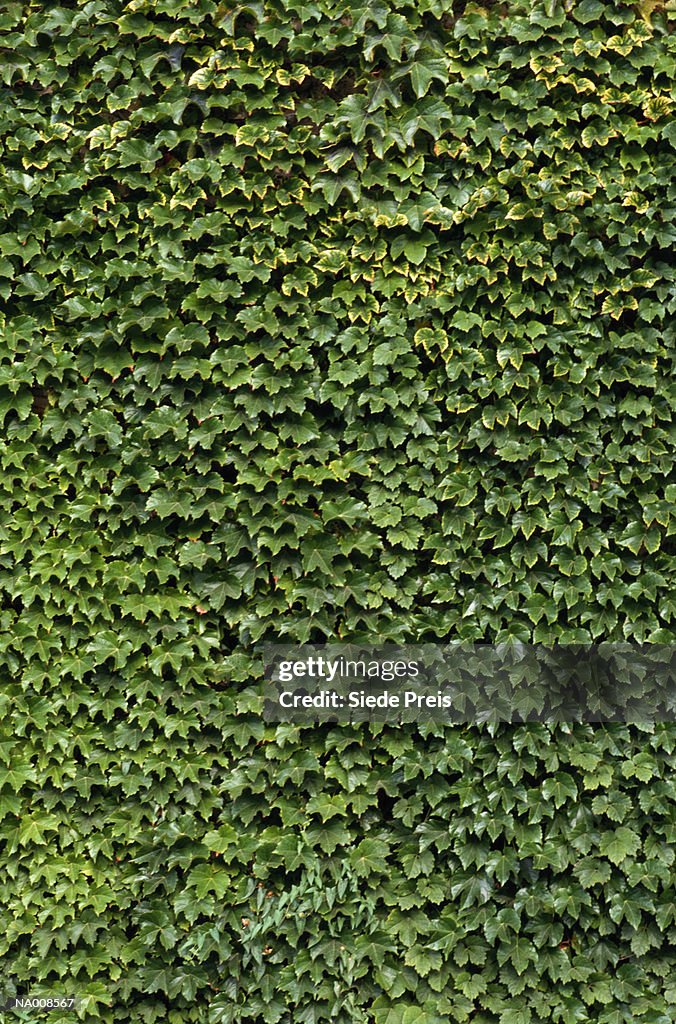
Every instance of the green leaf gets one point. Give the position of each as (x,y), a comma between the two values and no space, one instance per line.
(318,553)
(368,857)
(423,74)
(620,844)
(137,151)
(220,839)
(415,251)
(519,952)
(516,1015)
(466,321)
(591,872)
(559,788)
(209,878)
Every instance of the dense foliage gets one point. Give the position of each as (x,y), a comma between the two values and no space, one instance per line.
(325,320)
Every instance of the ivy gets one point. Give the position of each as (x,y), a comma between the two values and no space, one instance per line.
(330,320)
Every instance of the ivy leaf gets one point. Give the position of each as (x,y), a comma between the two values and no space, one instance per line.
(369,857)
(220,839)
(559,788)
(516,1015)
(519,952)
(592,872)
(422,75)
(137,151)
(415,251)
(318,553)
(620,844)
(207,879)
(17,774)
(466,321)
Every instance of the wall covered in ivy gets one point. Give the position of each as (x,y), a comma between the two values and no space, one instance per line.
(326,320)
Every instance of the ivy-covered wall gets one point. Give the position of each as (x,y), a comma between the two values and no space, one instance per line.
(331,321)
